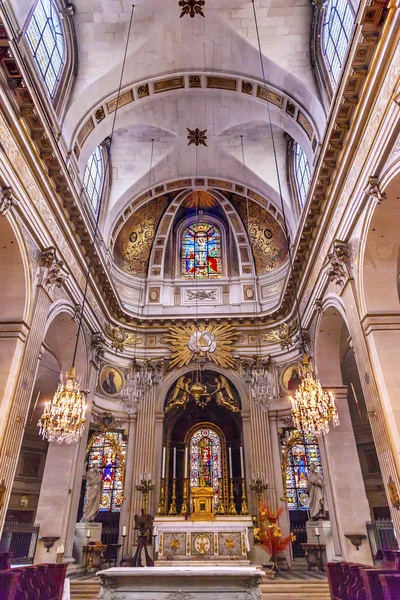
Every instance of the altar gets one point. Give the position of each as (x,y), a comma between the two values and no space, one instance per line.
(183,541)
(194,582)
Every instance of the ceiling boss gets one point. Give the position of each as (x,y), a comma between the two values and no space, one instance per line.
(214,342)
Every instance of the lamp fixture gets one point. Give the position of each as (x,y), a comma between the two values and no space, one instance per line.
(137,386)
(312,408)
(262,391)
(64,416)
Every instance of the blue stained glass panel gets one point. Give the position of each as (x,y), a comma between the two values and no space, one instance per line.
(201,252)
(45,37)
(300,457)
(205,457)
(103,454)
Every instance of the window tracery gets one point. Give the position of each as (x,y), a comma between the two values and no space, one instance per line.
(108,451)
(205,449)
(300,456)
(201,251)
(45,37)
(336,31)
(93,178)
(302,173)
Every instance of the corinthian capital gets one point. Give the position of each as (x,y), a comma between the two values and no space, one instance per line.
(7,200)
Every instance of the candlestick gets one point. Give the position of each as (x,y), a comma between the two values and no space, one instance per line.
(185,473)
(244,510)
(161,503)
(145,486)
(88,533)
(232,507)
(184,507)
(230,462)
(174,464)
(221,507)
(316,531)
(163,463)
(124,530)
(241,463)
(172,508)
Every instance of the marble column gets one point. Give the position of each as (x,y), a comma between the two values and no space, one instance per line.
(18,405)
(369,374)
(349,499)
(128,484)
(277,467)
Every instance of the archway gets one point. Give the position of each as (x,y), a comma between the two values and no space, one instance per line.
(203,441)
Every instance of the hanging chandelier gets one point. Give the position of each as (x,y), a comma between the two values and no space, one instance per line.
(63,418)
(313,409)
(262,391)
(137,387)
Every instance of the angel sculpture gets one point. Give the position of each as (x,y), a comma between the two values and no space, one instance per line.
(224,396)
(283,335)
(180,395)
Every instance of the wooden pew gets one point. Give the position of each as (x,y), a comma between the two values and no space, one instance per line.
(8,584)
(390,585)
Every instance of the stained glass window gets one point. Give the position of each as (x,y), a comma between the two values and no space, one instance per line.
(336,35)
(93,178)
(205,460)
(302,173)
(201,251)
(46,40)
(300,457)
(108,451)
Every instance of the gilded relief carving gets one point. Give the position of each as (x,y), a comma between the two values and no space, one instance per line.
(266,235)
(133,245)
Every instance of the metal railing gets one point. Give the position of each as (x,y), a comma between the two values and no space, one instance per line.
(21,540)
(381,536)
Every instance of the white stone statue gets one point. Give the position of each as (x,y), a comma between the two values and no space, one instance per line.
(316,490)
(94,489)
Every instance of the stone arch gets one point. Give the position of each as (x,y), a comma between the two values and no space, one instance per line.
(331,328)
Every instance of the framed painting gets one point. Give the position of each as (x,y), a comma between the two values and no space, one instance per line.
(111,381)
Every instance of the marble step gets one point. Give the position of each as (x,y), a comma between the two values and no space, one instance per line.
(295,590)
(84,590)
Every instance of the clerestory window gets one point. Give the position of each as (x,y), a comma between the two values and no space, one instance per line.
(337,28)
(201,251)
(93,178)
(45,37)
(302,173)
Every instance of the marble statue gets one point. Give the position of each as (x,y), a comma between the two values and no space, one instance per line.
(94,489)
(316,490)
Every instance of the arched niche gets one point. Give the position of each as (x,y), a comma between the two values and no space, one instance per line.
(331,342)
(380,257)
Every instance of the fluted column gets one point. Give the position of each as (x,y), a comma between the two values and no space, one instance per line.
(277,467)
(384,442)
(128,485)
(262,454)
(19,406)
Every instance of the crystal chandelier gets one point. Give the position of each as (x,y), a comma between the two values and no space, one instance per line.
(313,408)
(63,418)
(262,391)
(137,386)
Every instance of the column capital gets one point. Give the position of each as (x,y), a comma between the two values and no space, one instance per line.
(7,200)
(374,190)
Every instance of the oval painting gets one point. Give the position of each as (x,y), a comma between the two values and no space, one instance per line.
(111,381)
(291,377)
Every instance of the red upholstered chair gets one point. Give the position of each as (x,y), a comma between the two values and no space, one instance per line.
(8,584)
(390,585)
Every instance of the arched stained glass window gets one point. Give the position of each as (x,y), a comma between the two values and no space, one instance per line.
(93,178)
(302,173)
(300,457)
(46,39)
(201,251)
(205,460)
(337,29)
(108,451)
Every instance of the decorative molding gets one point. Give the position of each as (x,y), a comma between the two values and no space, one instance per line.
(97,346)
(282,335)
(197,136)
(120,338)
(52,271)
(374,191)
(192,8)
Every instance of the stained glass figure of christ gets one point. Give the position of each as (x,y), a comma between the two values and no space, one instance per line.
(103,453)
(205,460)
(300,457)
(201,252)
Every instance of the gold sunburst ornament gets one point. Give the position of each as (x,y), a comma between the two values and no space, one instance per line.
(214,342)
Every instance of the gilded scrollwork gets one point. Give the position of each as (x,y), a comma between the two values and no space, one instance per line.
(133,245)
(267,237)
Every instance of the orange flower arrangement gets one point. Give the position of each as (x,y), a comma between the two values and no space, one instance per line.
(270,534)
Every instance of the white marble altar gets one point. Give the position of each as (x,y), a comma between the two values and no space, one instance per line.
(181,583)
(223,539)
